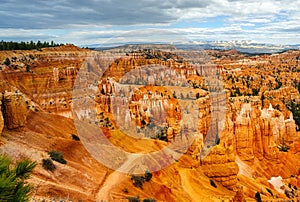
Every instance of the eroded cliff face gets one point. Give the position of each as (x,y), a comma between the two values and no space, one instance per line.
(257,132)
(50,77)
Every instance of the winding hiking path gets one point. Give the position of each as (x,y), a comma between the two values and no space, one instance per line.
(115,178)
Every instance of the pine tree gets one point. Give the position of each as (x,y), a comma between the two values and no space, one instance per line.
(7,62)
(262,100)
(13,185)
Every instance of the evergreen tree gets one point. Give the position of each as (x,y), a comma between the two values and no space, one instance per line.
(26,45)
(13,185)
(262,100)
(148,176)
(7,62)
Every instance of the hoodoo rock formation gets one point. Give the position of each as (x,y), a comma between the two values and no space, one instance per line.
(257,132)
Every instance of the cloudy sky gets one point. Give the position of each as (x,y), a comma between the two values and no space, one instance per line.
(112,21)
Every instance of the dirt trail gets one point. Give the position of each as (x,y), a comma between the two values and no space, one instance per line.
(115,178)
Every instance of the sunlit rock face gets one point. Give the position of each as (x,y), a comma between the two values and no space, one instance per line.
(257,132)
(50,79)
(15,109)
(220,165)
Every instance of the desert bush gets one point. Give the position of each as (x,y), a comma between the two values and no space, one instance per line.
(138,180)
(31,56)
(27,68)
(283,148)
(148,176)
(133,199)
(288,193)
(162,134)
(48,165)
(7,62)
(149,200)
(57,156)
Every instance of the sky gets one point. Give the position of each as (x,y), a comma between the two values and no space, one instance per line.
(124,21)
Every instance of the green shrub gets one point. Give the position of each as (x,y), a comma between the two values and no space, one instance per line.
(148,176)
(7,62)
(288,193)
(31,56)
(133,199)
(283,148)
(162,134)
(27,68)
(138,181)
(149,200)
(13,185)
(57,156)
(48,165)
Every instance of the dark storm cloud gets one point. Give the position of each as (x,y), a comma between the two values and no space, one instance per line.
(59,14)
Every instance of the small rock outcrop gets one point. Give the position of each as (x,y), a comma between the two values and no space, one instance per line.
(239,196)
(220,165)
(14,110)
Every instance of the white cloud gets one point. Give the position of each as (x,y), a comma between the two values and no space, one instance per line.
(96,21)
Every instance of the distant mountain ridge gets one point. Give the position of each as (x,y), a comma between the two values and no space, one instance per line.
(241,46)
(250,47)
